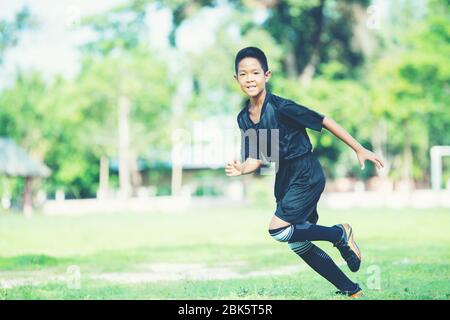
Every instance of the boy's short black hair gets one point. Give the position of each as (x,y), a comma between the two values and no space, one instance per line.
(254,53)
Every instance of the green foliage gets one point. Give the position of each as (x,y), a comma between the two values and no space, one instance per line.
(410,89)
(394,101)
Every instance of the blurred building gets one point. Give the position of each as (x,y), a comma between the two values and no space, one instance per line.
(15,162)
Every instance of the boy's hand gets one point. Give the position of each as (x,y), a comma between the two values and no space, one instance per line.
(233,169)
(364,154)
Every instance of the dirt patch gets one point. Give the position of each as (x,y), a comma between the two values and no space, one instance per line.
(150,272)
(176,272)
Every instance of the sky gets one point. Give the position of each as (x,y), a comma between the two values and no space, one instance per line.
(52,48)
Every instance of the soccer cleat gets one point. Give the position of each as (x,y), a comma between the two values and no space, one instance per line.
(354,294)
(348,248)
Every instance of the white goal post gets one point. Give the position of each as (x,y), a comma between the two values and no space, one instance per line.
(437,152)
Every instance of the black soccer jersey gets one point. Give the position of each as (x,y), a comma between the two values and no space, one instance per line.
(289,118)
(300,179)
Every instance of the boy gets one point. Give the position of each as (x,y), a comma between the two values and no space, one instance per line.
(299,180)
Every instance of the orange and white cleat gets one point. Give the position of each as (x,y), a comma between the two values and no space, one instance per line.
(354,294)
(348,248)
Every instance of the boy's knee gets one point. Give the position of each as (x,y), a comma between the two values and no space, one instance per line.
(282,234)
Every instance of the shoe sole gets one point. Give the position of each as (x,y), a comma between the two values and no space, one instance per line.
(351,240)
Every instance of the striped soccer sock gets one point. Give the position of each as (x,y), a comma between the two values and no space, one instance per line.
(321,262)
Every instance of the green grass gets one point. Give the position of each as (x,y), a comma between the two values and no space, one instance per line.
(408,248)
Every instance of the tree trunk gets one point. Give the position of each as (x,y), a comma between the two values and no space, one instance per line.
(310,68)
(136,178)
(28,197)
(290,60)
(124,147)
(407,175)
(291,65)
(379,142)
(177,169)
(177,179)
(103,189)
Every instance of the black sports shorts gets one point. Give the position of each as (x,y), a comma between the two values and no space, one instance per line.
(299,184)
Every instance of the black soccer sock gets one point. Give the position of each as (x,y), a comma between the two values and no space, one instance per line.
(313,232)
(321,262)
(306,231)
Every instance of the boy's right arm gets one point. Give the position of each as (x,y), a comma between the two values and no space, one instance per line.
(248,166)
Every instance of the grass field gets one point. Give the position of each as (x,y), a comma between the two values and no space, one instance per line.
(220,254)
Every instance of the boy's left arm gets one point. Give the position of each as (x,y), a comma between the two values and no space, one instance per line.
(362,153)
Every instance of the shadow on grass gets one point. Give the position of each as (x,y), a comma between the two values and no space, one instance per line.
(30,261)
(128,259)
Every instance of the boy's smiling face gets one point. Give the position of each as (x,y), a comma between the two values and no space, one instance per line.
(251,76)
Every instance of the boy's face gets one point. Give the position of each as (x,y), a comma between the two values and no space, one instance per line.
(251,76)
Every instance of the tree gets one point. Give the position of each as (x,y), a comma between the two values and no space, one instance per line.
(121,51)
(310,32)
(410,90)
(10,31)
